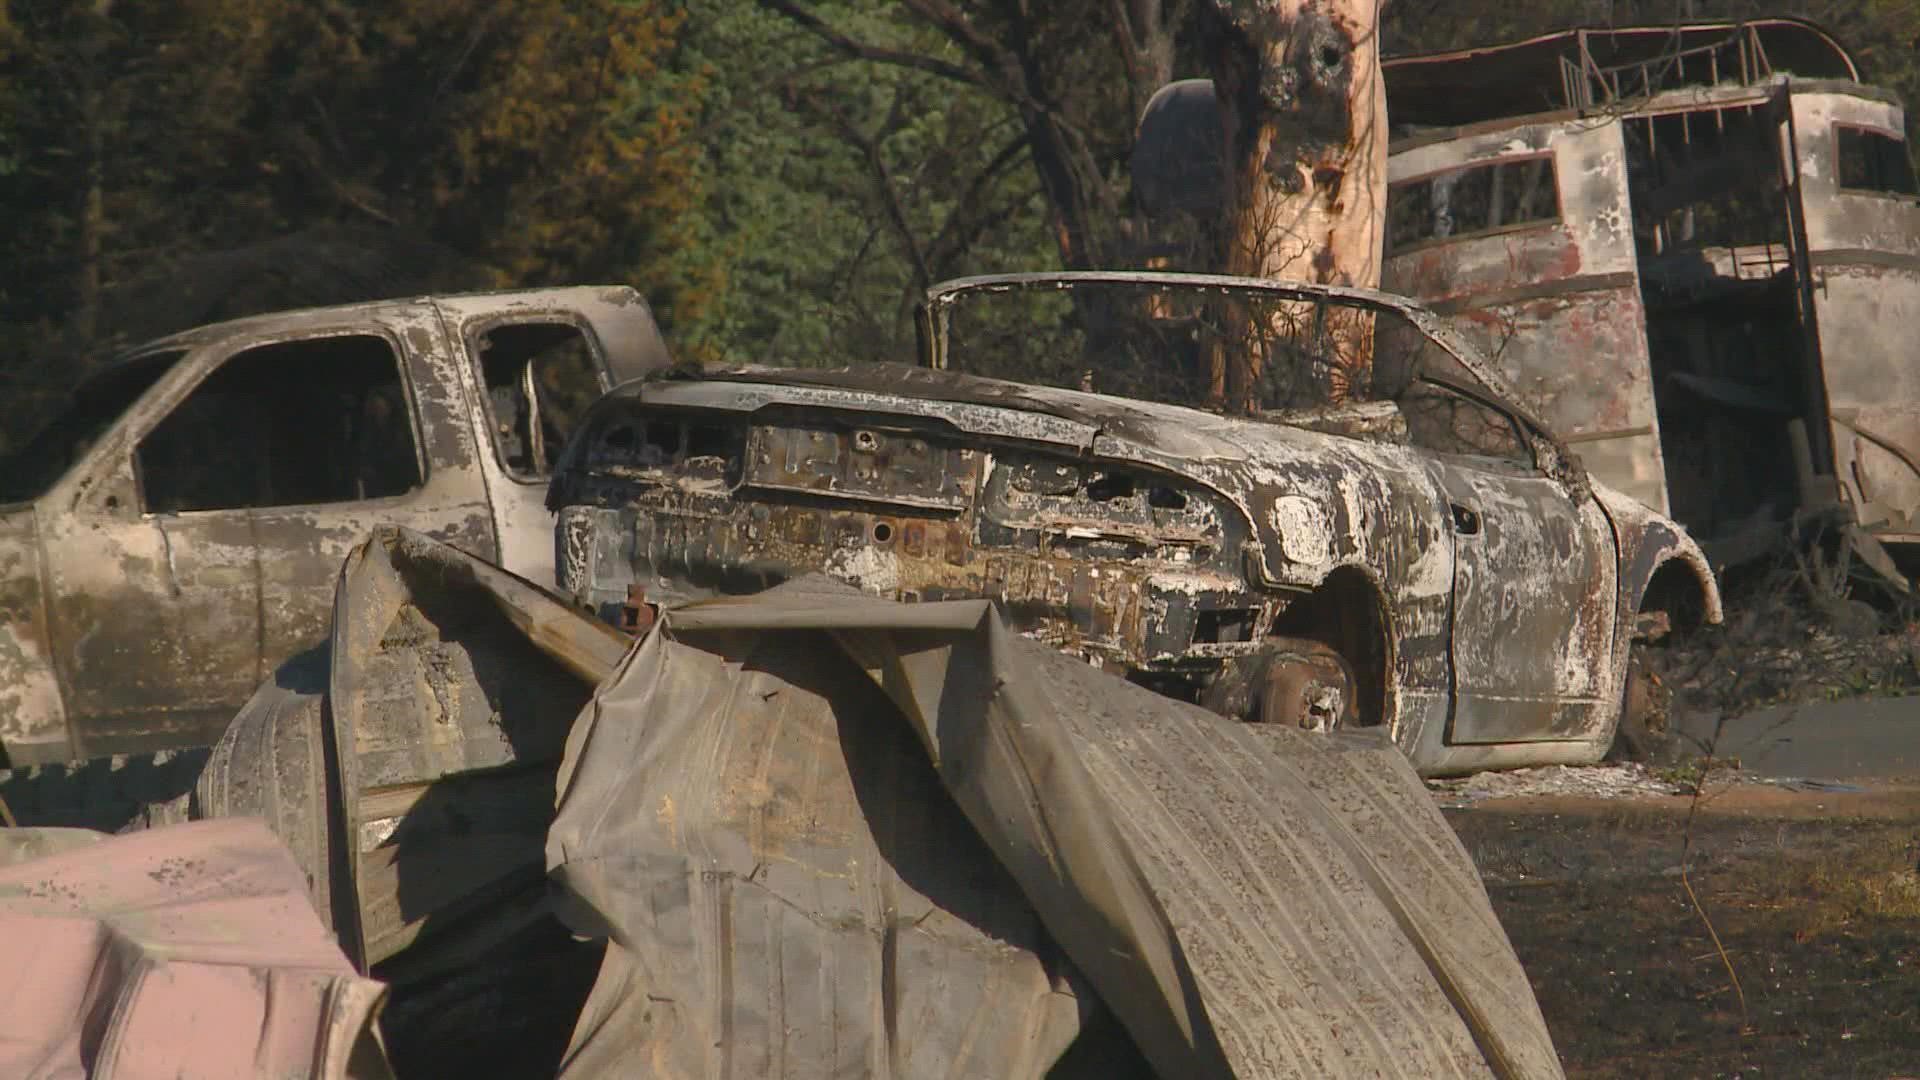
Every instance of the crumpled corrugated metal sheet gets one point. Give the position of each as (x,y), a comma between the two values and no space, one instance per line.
(408,761)
(833,835)
(408,764)
(186,951)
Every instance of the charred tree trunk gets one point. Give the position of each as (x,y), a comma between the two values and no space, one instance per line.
(1304,112)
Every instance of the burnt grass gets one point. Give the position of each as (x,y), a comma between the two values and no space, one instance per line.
(1815,901)
(1814,896)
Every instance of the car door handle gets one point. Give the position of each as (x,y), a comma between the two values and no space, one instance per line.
(1466,521)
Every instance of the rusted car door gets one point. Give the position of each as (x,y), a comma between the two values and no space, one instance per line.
(205,542)
(154,619)
(533,365)
(1535,577)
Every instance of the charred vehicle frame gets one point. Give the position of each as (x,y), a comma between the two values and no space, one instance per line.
(1319,567)
(1687,245)
(177,532)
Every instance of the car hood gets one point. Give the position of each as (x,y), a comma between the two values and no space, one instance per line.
(1303,491)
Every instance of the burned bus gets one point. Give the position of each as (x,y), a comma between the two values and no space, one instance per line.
(1695,250)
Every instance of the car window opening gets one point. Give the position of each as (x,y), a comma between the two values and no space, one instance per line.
(546,369)
(292,423)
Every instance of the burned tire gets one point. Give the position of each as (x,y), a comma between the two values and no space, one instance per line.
(1644,704)
(1293,682)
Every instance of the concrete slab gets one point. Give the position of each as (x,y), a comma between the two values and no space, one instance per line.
(1861,738)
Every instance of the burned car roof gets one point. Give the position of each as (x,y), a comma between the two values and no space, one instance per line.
(300,318)
(942,296)
(1486,82)
(1080,406)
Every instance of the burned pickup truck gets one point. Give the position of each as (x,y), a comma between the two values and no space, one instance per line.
(1396,544)
(176,532)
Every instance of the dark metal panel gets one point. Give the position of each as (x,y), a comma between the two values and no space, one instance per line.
(1246,900)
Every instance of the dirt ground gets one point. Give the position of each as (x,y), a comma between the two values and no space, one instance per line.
(1813,893)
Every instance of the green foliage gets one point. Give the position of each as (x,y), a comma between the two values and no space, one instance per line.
(837,189)
(173,161)
(781,178)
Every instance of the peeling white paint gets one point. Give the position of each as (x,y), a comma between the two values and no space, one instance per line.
(1193,583)
(872,569)
(1306,537)
(1431,575)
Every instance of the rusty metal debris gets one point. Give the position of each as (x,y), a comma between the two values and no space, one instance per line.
(409,765)
(1685,245)
(636,615)
(852,795)
(919,844)
(1426,528)
(1689,245)
(1294,683)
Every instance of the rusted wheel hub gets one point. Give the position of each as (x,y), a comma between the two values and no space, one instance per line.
(1293,682)
(1309,686)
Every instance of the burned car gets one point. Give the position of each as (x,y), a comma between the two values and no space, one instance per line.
(1376,536)
(176,531)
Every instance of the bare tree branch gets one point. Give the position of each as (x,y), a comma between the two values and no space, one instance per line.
(984,49)
(860,50)
(953,229)
(1006,65)
(875,159)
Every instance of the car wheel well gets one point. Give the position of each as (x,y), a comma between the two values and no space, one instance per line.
(1347,613)
(1675,589)
(1674,602)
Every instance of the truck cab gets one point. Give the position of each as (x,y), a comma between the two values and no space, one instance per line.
(175,534)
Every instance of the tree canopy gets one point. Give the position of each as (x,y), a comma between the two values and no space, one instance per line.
(175,161)
(780,177)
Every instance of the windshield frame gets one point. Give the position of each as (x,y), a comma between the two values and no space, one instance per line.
(934,321)
(941,297)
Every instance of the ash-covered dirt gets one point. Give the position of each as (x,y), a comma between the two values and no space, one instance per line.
(1636,913)
(1595,781)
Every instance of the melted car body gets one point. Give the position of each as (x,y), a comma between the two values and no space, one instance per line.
(1405,516)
